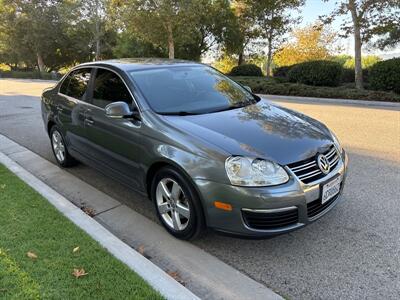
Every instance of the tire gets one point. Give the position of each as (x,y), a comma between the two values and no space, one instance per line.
(58,144)
(184,203)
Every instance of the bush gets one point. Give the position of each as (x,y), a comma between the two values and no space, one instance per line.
(29,75)
(246,70)
(317,73)
(262,85)
(348,75)
(282,72)
(385,75)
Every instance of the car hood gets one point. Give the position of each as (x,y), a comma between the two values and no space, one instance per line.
(260,130)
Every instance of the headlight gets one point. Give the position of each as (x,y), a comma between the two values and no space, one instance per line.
(246,171)
(336,141)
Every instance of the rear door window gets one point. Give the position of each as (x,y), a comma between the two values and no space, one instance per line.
(108,87)
(75,85)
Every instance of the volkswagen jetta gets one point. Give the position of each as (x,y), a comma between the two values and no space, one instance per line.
(206,150)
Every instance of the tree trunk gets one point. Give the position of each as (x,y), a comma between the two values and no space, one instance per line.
(357,46)
(241,59)
(270,40)
(41,65)
(269,55)
(98,45)
(171,46)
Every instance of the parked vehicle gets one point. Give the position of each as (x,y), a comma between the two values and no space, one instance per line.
(207,151)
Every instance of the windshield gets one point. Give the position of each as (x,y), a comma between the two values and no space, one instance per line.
(190,90)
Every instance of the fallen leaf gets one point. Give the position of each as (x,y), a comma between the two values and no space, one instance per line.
(79,273)
(76,249)
(2,186)
(175,275)
(89,211)
(141,249)
(31,255)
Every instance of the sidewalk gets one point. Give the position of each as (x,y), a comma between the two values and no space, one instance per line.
(201,273)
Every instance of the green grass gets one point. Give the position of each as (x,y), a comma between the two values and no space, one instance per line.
(273,86)
(28,223)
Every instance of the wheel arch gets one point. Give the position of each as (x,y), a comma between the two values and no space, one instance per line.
(158,165)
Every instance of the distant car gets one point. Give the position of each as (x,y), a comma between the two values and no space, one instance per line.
(206,150)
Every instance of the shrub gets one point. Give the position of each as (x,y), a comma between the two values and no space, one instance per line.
(262,85)
(29,75)
(348,75)
(317,73)
(385,75)
(246,70)
(282,72)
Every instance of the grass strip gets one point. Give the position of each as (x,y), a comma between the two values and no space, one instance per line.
(37,255)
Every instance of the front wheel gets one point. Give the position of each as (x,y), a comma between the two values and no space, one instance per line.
(177,205)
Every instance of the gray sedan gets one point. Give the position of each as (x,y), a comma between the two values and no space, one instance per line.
(207,151)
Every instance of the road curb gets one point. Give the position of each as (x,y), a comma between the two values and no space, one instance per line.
(156,277)
(331,101)
(122,230)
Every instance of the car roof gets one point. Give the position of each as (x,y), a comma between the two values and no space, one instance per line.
(131,64)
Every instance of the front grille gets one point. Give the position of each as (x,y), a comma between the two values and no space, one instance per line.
(315,207)
(270,220)
(308,171)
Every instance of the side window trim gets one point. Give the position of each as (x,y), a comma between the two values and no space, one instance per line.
(87,88)
(134,102)
(91,84)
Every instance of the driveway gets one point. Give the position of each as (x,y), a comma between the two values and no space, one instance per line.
(351,253)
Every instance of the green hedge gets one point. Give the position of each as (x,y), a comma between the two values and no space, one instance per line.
(246,70)
(317,73)
(282,72)
(385,75)
(348,75)
(270,86)
(28,75)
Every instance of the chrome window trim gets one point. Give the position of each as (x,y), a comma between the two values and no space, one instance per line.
(93,67)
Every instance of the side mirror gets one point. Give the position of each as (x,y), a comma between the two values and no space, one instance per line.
(248,88)
(120,110)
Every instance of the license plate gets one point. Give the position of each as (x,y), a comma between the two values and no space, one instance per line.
(331,189)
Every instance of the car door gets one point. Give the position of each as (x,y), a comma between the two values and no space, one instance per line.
(114,143)
(71,106)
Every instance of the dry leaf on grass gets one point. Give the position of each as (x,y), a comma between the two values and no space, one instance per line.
(79,273)
(31,255)
(76,249)
(175,275)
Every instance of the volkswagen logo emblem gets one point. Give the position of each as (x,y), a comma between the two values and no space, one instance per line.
(323,164)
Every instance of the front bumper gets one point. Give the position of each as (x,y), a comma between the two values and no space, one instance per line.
(282,203)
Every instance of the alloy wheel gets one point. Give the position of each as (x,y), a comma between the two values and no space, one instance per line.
(172,204)
(58,146)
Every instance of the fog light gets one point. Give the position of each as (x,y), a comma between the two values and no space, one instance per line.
(223,206)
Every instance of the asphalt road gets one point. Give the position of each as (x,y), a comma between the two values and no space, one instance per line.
(351,253)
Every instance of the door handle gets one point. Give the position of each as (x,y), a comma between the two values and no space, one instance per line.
(89,121)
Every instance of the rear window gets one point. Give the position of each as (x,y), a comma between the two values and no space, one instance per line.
(75,85)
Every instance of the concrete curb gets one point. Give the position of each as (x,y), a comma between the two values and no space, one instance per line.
(156,277)
(331,101)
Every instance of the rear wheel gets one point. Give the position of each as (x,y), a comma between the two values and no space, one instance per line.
(177,204)
(63,158)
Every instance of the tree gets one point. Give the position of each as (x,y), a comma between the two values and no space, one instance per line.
(274,20)
(243,29)
(314,42)
(186,28)
(367,19)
